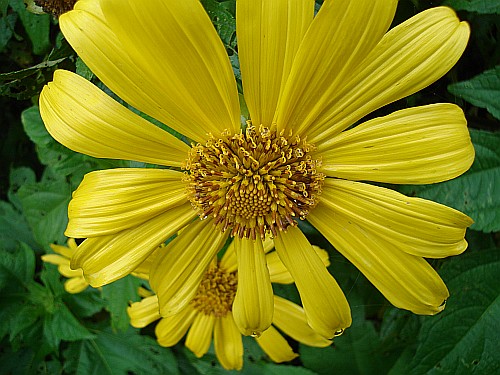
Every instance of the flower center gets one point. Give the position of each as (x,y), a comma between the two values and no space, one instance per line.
(253,182)
(216,293)
(56,7)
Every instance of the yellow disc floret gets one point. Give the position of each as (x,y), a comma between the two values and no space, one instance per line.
(216,293)
(253,182)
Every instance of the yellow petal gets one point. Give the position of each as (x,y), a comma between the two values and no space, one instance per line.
(291,319)
(414,225)
(277,270)
(170,61)
(269,35)
(55,259)
(66,252)
(107,258)
(66,271)
(275,346)
(180,266)
(72,245)
(419,145)
(144,312)
(228,260)
(75,285)
(199,336)
(407,281)
(228,344)
(324,303)
(279,273)
(86,120)
(339,38)
(171,329)
(112,200)
(142,270)
(393,70)
(253,303)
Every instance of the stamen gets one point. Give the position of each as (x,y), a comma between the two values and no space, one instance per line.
(56,7)
(255,182)
(216,293)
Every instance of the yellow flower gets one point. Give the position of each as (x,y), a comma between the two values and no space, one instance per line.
(208,315)
(307,79)
(76,283)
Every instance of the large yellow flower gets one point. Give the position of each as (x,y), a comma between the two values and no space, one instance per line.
(307,79)
(208,315)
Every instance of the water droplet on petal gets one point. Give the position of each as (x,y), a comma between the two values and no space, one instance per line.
(338,333)
(255,334)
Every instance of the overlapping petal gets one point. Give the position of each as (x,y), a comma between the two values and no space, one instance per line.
(416,226)
(418,145)
(144,312)
(269,35)
(85,119)
(325,305)
(393,70)
(180,266)
(105,259)
(339,38)
(228,344)
(406,280)
(164,58)
(199,336)
(291,319)
(275,346)
(109,201)
(171,329)
(75,285)
(253,303)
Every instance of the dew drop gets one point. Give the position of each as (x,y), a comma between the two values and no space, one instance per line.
(338,333)
(255,334)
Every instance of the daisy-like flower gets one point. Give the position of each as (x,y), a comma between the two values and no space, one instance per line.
(208,315)
(307,79)
(76,282)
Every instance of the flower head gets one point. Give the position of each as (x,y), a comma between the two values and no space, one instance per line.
(209,315)
(76,282)
(299,156)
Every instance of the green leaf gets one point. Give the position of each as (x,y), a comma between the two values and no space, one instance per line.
(13,228)
(120,353)
(34,127)
(478,6)
(62,325)
(464,338)
(6,26)
(272,369)
(83,69)
(37,27)
(86,303)
(18,266)
(45,206)
(357,351)
(483,90)
(476,192)
(42,202)
(118,296)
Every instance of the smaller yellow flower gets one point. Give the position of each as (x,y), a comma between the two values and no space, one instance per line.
(76,283)
(209,315)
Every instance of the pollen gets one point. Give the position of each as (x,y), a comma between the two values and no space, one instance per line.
(216,293)
(255,182)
